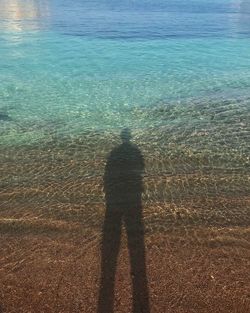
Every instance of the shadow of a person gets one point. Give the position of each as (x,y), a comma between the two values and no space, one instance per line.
(123,187)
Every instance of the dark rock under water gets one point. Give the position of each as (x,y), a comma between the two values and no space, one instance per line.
(4,117)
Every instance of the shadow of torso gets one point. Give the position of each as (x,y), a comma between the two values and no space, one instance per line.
(123,178)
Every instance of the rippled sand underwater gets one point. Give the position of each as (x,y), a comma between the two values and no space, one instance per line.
(195,152)
(195,211)
(75,77)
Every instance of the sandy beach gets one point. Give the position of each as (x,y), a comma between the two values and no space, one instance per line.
(52,213)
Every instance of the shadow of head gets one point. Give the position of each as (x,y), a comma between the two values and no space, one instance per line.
(126,135)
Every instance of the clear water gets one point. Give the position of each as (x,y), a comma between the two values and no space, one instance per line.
(74,75)
(98,64)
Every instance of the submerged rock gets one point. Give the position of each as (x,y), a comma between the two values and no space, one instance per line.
(4,117)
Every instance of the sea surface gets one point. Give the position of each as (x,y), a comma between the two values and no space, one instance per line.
(124,110)
(68,66)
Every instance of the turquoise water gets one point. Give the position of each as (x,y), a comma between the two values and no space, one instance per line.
(133,110)
(68,66)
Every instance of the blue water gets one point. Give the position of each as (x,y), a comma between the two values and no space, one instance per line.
(66,66)
(73,75)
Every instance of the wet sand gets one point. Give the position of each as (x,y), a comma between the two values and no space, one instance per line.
(189,270)
(195,212)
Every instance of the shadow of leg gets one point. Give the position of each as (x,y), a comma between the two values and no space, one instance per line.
(135,233)
(109,250)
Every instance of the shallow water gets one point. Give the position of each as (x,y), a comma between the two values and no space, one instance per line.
(68,67)
(73,75)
